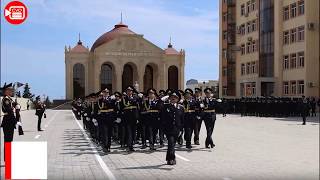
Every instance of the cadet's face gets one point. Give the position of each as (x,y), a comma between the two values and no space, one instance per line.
(208,94)
(188,95)
(174,99)
(129,92)
(151,95)
(9,92)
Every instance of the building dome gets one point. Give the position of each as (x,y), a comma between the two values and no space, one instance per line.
(79,48)
(119,29)
(170,50)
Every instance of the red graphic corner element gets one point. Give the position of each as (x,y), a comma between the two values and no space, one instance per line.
(15,12)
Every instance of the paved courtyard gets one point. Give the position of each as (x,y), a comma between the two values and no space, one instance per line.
(246,148)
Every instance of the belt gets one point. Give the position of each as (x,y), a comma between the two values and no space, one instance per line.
(152,111)
(130,107)
(210,111)
(106,110)
(190,111)
(38,109)
(5,114)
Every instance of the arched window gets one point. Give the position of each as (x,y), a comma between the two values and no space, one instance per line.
(173,77)
(78,80)
(148,78)
(106,77)
(127,76)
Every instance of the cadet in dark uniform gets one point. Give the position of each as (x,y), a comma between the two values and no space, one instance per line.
(209,115)
(131,115)
(118,106)
(150,116)
(173,118)
(189,105)
(40,108)
(305,108)
(199,115)
(9,121)
(107,117)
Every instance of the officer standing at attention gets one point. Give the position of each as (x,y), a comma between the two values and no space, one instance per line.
(9,121)
(189,105)
(131,115)
(107,117)
(173,118)
(40,108)
(209,115)
(305,108)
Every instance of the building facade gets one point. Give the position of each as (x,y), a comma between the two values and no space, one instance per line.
(203,84)
(269,48)
(120,58)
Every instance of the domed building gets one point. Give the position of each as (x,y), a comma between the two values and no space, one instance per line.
(119,58)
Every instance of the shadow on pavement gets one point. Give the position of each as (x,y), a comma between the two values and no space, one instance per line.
(150,167)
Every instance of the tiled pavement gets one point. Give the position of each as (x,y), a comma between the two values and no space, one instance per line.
(246,148)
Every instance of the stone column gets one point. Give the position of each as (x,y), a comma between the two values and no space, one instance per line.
(118,77)
(141,71)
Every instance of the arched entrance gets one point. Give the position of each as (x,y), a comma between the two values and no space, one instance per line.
(173,77)
(127,76)
(106,76)
(78,80)
(148,78)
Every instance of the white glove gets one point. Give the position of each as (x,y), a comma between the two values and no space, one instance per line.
(198,117)
(88,119)
(113,97)
(181,101)
(118,120)
(202,105)
(19,124)
(85,114)
(164,98)
(219,100)
(140,95)
(95,122)
(78,113)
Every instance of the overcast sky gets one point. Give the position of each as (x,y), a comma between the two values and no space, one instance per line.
(34,51)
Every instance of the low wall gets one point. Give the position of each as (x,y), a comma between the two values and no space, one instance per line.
(21,101)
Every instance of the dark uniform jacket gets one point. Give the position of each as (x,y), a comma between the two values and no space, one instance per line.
(9,119)
(39,108)
(173,118)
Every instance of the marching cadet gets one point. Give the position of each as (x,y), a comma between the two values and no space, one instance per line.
(173,118)
(95,116)
(106,109)
(119,128)
(131,115)
(199,115)
(89,111)
(78,104)
(209,115)
(9,120)
(189,105)
(158,130)
(84,114)
(40,108)
(149,116)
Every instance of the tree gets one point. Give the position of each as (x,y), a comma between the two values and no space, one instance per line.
(47,102)
(26,92)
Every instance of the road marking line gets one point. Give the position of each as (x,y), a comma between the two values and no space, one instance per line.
(226,178)
(51,119)
(97,156)
(37,136)
(183,158)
